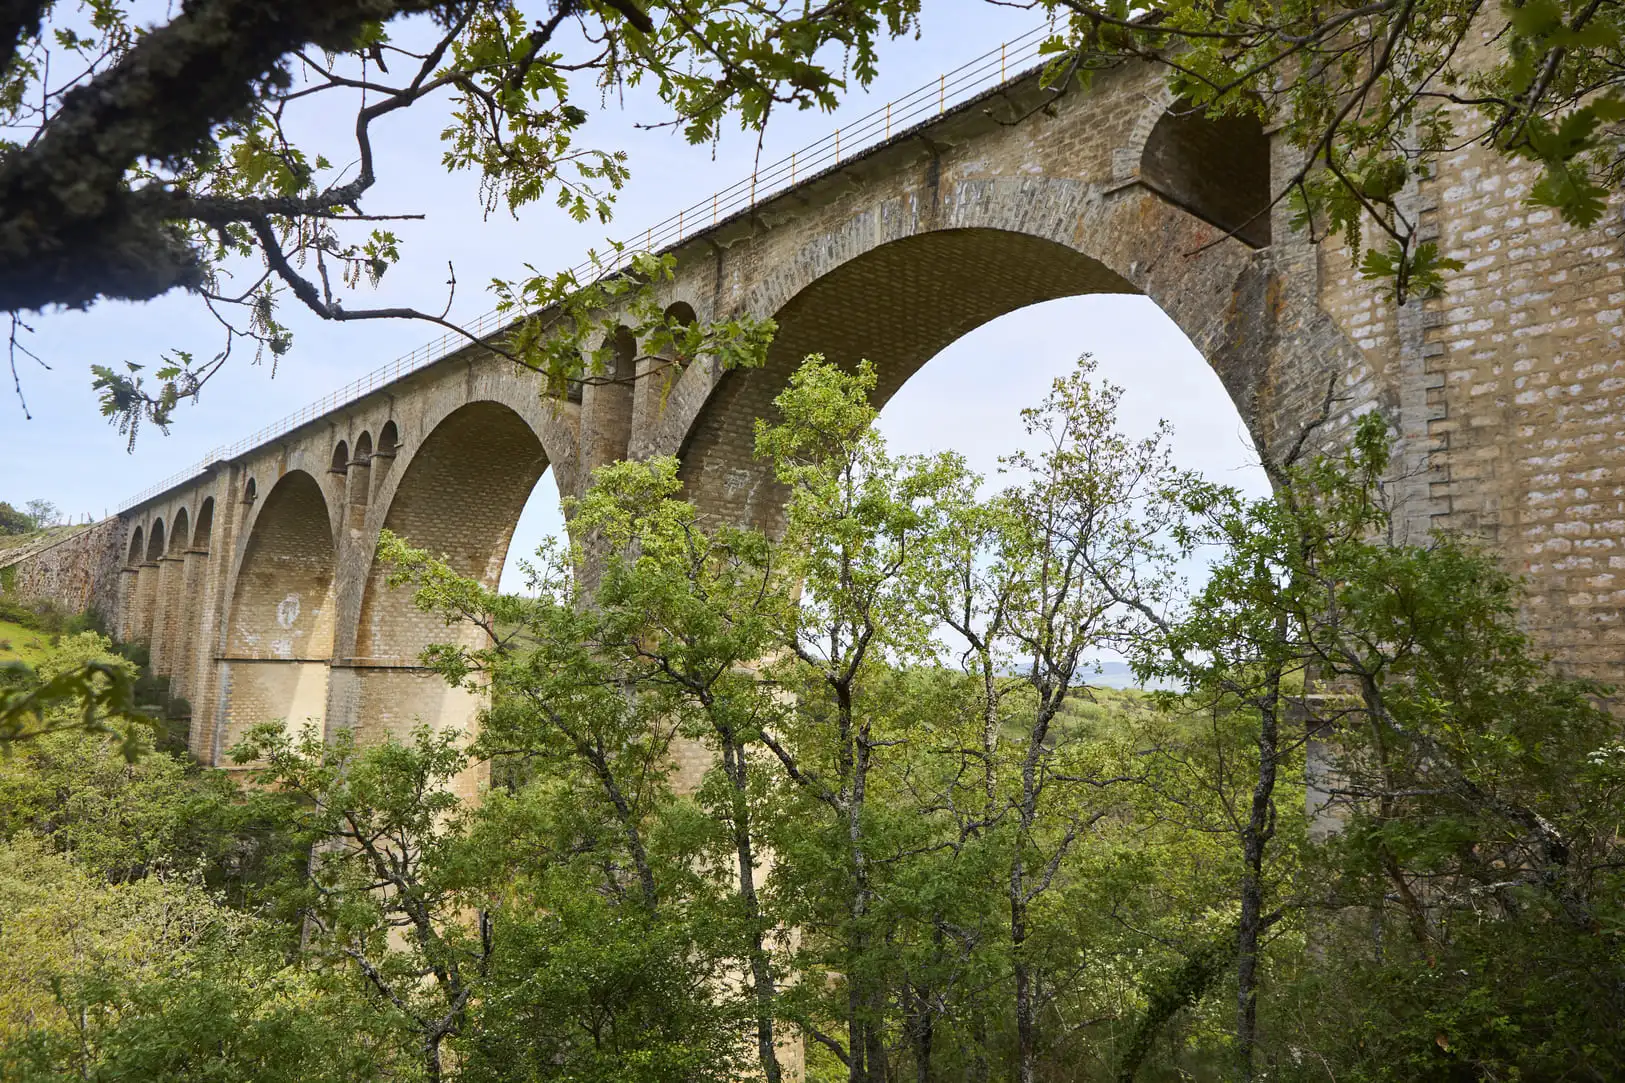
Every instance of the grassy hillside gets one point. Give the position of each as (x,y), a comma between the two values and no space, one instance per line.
(38,537)
(18,643)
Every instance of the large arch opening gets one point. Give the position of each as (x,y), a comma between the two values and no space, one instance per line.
(966,328)
(204,531)
(898,305)
(1135,345)
(146,587)
(541,518)
(169,606)
(184,670)
(460,496)
(130,584)
(279,633)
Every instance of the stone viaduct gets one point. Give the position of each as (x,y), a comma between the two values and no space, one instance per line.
(256,586)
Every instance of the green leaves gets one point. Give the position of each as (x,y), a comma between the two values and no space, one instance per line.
(1405,273)
(1372,98)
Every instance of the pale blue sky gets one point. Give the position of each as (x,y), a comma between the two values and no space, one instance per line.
(69,455)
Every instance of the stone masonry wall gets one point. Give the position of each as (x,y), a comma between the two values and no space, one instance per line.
(78,573)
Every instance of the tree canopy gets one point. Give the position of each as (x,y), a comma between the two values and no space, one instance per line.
(846,803)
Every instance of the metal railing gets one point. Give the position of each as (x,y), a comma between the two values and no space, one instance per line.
(1012,59)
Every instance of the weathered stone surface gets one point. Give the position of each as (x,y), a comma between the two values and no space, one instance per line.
(1508,395)
(79,572)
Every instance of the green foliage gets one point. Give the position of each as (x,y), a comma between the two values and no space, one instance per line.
(1373,96)
(848,787)
(13,521)
(153,979)
(255,212)
(82,685)
(148,917)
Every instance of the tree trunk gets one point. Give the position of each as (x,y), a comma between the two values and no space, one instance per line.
(761,967)
(1256,835)
(1026,1021)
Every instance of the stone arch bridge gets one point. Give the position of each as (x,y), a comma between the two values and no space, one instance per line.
(255,582)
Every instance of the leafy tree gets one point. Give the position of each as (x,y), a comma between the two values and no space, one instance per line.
(13,521)
(384,895)
(154,979)
(1033,583)
(147,158)
(84,685)
(43,512)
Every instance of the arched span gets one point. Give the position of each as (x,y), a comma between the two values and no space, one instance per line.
(181,534)
(169,598)
(130,585)
(279,599)
(203,533)
(949,254)
(458,494)
(279,630)
(897,305)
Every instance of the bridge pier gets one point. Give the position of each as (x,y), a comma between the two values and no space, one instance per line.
(378,699)
(254,690)
(169,604)
(146,600)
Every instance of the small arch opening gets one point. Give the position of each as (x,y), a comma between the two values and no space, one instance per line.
(341,458)
(680,312)
(361,473)
(249,492)
(204,530)
(383,459)
(137,547)
(1215,167)
(607,400)
(181,532)
(155,541)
